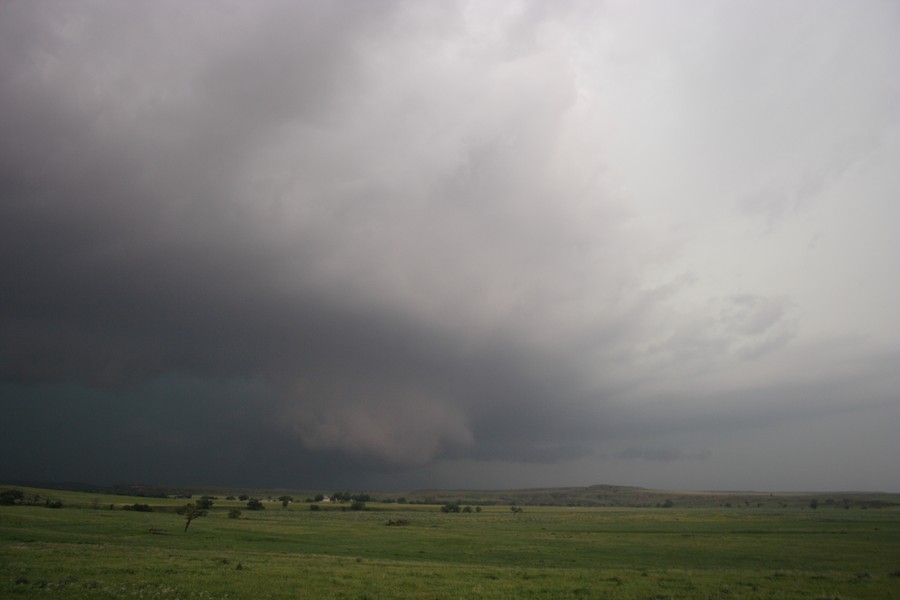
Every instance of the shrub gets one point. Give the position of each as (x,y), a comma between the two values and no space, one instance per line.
(358,505)
(234,513)
(10,497)
(255,504)
(314,507)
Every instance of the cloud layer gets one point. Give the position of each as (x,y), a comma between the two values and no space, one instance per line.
(403,238)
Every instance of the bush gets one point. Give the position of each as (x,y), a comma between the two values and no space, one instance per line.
(10,497)
(138,507)
(314,507)
(451,507)
(255,504)
(358,505)
(234,513)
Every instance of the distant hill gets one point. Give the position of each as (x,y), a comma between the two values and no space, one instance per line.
(626,496)
(590,496)
(70,486)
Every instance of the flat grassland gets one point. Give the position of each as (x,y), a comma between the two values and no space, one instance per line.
(91,548)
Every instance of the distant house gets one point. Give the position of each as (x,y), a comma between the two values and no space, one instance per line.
(326,499)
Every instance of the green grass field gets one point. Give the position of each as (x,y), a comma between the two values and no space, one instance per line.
(544,552)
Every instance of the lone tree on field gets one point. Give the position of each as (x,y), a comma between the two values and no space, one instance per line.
(191,511)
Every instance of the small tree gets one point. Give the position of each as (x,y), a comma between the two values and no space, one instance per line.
(234,513)
(358,505)
(10,497)
(285,500)
(255,504)
(191,511)
(451,507)
(205,502)
(814,504)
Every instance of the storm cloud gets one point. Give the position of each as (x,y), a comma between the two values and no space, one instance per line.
(450,243)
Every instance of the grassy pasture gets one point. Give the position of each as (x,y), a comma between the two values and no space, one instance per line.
(543,552)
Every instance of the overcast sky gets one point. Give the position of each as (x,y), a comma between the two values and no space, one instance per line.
(392,245)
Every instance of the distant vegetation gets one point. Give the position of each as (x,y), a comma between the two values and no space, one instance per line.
(591,496)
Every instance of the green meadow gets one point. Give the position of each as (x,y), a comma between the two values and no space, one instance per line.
(92,548)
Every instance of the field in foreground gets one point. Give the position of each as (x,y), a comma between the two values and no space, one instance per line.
(542,552)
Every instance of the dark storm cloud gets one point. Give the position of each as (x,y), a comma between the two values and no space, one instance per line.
(333,240)
(132,247)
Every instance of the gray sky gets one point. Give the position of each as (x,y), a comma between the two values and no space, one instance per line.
(459,244)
